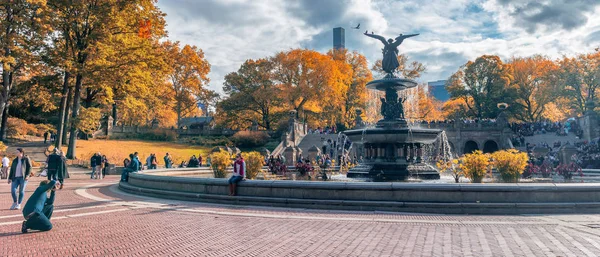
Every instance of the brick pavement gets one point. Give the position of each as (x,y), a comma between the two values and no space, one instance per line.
(93,218)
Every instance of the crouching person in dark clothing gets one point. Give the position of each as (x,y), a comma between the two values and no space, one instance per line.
(38,209)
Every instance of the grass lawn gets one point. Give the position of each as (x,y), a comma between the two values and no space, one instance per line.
(117,150)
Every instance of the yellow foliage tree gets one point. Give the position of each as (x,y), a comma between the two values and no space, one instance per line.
(189,75)
(220,162)
(452,167)
(475,165)
(510,163)
(254,163)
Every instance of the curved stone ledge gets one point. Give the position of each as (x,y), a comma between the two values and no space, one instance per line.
(376,196)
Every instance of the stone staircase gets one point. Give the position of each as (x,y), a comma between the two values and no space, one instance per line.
(35,150)
(311,140)
(549,138)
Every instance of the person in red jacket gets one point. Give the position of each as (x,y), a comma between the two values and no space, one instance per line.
(239,173)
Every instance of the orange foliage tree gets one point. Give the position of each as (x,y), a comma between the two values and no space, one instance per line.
(189,75)
(356,95)
(535,81)
(312,83)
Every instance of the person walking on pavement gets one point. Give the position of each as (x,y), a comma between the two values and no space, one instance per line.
(95,162)
(38,209)
(18,176)
(5,167)
(45,137)
(57,167)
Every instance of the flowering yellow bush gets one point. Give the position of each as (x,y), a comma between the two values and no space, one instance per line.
(510,163)
(475,165)
(254,163)
(452,167)
(220,162)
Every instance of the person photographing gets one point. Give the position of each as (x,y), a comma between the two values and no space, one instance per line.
(38,209)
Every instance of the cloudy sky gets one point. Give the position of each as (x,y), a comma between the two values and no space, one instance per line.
(451,31)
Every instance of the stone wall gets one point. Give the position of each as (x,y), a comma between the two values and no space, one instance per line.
(381,196)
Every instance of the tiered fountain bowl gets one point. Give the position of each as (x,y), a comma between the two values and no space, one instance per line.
(392,150)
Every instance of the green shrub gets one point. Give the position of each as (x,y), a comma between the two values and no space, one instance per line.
(207,141)
(220,162)
(250,138)
(158,135)
(254,163)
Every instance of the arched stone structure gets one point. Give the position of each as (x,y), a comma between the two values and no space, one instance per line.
(470,146)
(490,146)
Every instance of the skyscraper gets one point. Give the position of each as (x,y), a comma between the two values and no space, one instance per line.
(339,38)
(438,90)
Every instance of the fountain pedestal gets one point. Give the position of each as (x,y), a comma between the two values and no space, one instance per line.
(393,150)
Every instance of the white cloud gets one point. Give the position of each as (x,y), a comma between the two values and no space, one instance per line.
(452,32)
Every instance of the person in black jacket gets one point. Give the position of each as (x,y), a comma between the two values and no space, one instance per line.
(57,167)
(96,163)
(18,176)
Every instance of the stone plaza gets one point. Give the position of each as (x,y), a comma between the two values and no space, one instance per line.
(95,218)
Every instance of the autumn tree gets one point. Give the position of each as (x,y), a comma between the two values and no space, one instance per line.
(421,105)
(22,32)
(312,82)
(580,77)
(536,84)
(456,108)
(486,81)
(85,27)
(189,75)
(356,95)
(209,99)
(253,94)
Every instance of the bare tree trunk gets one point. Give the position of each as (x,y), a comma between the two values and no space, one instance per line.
(63,111)
(4,96)
(4,127)
(114,114)
(66,118)
(71,154)
(178,115)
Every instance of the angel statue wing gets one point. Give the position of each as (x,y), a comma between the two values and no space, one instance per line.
(382,39)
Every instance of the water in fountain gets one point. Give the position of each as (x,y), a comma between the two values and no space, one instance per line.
(444,148)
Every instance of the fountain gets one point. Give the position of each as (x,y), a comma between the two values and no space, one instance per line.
(392,150)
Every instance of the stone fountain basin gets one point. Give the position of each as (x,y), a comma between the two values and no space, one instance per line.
(390,135)
(396,83)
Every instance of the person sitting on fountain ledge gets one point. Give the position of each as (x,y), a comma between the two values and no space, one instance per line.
(239,173)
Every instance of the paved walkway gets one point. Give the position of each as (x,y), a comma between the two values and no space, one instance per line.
(93,218)
(33,149)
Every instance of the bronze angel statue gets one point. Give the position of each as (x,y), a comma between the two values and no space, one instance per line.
(390,51)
